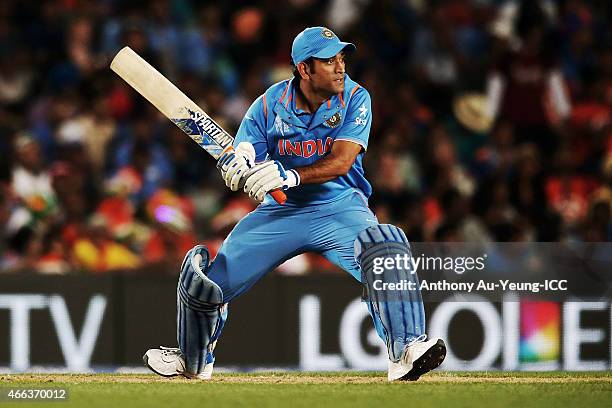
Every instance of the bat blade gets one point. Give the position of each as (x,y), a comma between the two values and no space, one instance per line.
(170,101)
(175,105)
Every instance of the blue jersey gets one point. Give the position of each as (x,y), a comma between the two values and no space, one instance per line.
(279,131)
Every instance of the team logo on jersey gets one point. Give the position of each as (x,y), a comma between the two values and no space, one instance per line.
(334,121)
(327,33)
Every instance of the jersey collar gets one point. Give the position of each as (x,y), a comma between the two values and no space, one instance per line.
(285,108)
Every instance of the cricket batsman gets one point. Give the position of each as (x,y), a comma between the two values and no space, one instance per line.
(306,135)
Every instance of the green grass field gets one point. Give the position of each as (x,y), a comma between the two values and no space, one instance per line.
(350,389)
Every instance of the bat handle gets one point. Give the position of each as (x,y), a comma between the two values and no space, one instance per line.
(278,196)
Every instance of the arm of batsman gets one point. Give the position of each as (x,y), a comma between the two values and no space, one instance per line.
(235,163)
(267,176)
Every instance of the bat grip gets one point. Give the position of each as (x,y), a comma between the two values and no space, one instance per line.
(278,196)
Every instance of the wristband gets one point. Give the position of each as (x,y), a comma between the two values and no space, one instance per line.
(292,180)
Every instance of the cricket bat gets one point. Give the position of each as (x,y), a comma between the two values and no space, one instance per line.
(176,106)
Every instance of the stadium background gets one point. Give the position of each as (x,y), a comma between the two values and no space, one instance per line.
(98,190)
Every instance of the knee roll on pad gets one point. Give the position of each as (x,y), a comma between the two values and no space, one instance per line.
(195,287)
(201,313)
(399,311)
(374,237)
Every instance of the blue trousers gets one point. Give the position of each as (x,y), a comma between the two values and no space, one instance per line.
(272,234)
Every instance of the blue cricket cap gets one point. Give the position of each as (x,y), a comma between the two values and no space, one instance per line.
(318,42)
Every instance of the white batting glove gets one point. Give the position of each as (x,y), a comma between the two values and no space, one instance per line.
(234,164)
(267,176)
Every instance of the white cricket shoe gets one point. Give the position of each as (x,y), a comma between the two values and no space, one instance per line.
(169,362)
(418,358)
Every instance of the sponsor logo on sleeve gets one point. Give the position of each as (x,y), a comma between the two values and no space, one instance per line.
(362,118)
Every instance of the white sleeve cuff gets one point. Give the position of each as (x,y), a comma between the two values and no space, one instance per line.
(356,141)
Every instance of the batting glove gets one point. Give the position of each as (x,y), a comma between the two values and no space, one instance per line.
(267,176)
(235,163)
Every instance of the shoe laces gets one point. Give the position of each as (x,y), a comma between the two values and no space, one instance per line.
(419,339)
(166,351)
(406,356)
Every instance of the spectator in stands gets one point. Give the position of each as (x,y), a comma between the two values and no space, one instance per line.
(143,157)
(172,233)
(90,154)
(526,87)
(98,252)
(31,182)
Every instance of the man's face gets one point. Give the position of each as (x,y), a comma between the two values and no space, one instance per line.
(30,157)
(327,75)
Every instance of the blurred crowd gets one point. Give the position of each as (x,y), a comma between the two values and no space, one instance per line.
(491,122)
